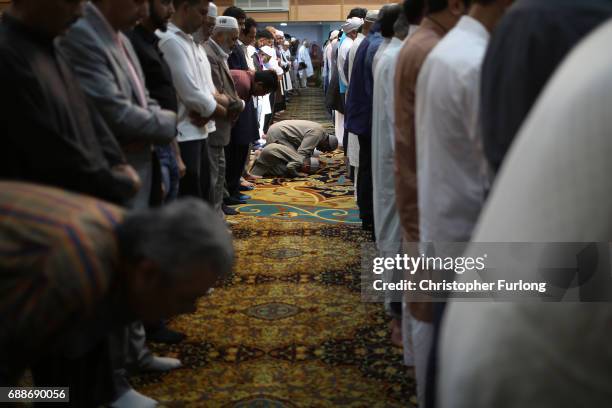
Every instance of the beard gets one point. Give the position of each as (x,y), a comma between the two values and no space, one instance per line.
(158,21)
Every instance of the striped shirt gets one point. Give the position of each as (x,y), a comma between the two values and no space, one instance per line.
(57,254)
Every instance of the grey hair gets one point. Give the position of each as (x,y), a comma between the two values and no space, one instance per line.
(176,237)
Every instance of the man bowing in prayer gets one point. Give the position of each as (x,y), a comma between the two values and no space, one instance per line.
(290,146)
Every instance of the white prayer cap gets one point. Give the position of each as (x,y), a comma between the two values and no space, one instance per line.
(226,23)
(352,24)
(279,32)
(287,43)
(293,39)
(372,15)
(268,51)
(334,34)
(212,10)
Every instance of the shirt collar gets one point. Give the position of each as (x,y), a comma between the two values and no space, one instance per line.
(111,31)
(146,34)
(173,29)
(220,50)
(473,26)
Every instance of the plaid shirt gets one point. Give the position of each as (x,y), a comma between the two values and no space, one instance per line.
(57,252)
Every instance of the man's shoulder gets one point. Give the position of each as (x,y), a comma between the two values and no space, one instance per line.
(170,39)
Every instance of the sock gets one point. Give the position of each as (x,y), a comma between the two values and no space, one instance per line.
(161,364)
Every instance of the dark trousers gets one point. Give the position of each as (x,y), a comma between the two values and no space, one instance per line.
(365,194)
(269,119)
(432,364)
(197,181)
(235,157)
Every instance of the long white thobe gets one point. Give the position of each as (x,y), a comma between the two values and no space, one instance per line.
(451,165)
(554,187)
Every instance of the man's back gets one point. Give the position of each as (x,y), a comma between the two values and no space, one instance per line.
(52,133)
(410,60)
(452,176)
(301,135)
(58,257)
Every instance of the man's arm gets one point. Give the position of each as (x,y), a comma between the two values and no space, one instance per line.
(129,122)
(190,93)
(311,140)
(59,160)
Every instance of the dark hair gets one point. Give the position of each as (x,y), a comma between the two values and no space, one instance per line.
(264,34)
(249,23)
(357,12)
(236,12)
(414,10)
(268,79)
(433,6)
(177,3)
(387,20)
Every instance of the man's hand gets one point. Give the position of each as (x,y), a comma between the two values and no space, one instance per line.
(127,171)
(234,110)
(197,120)
(181,166)
(222,100)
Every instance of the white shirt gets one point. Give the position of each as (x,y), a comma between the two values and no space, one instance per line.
(451,166)
(554,186)
(343,52)
(192,80)
(379,53)
(386,218)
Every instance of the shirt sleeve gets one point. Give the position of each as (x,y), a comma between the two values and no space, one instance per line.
(187,88)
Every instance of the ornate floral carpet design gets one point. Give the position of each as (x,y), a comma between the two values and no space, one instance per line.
(287,328)
(325,197)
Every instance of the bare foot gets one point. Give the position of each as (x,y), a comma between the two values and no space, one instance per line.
(245,183)
(252,177)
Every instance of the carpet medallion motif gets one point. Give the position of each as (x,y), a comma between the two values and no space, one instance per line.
(287,327)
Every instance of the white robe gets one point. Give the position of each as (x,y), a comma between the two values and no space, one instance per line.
(554,186)
(353,139)
(304,56)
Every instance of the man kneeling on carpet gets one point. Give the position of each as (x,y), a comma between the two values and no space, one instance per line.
(75,269)
(290,146)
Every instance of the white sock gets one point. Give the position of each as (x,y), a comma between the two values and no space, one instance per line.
(133,399)
(162,364)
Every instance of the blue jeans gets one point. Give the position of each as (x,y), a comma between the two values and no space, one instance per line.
(169,172)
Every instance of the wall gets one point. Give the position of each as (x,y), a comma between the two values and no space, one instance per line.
(300,10)
(314,32)
(311,10)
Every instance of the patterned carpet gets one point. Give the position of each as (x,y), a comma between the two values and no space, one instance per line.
(287,328)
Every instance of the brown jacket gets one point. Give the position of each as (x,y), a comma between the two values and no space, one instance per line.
(222,78)
(410,60)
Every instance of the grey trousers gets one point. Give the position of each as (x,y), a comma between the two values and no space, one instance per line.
(128,352)
(128,348)
(143,164)
(217,170)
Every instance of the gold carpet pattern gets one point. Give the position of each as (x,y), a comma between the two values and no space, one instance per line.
(287,328)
